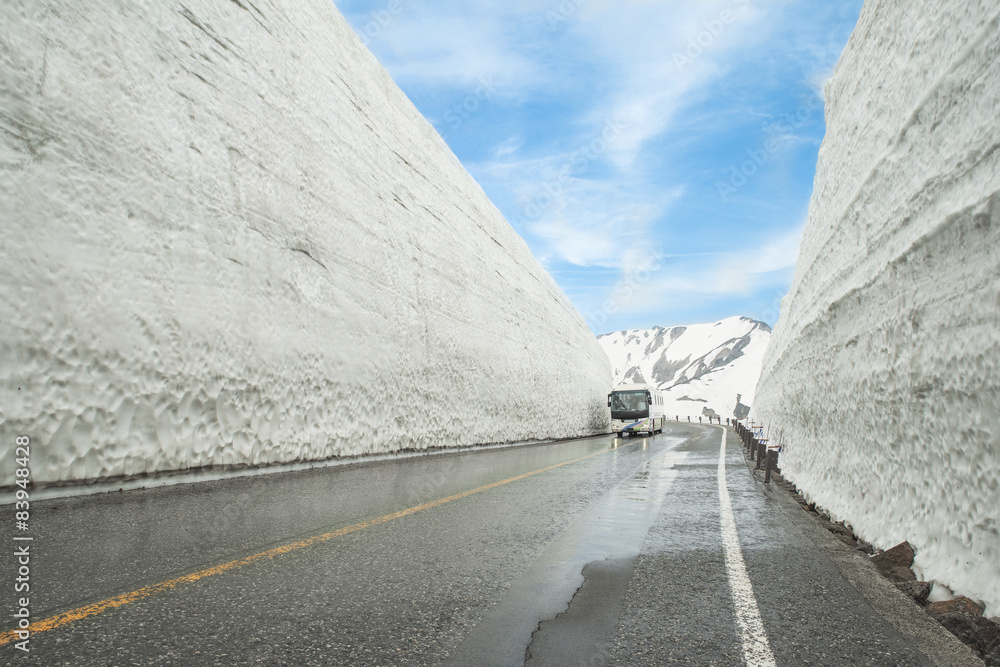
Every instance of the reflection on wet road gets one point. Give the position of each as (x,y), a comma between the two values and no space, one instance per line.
(594,551)
(611,529)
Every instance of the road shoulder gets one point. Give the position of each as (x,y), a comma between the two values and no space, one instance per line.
(926,634)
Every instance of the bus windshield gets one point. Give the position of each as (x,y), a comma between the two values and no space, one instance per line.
(628,401)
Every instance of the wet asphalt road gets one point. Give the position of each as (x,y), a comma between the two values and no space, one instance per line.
(589,552)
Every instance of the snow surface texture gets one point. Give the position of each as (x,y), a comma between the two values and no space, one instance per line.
(702,368)
(884,369)
(229,238)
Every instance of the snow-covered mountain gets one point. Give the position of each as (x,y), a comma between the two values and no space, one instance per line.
(884,367)
(705,369)
(229,239)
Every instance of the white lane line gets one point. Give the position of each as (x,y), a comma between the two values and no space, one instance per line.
(756,649)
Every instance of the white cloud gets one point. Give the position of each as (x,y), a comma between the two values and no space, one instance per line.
(584,197)
(589,205)
(452,51)
(734,273)
(507,148)
(662,55)
(597,223)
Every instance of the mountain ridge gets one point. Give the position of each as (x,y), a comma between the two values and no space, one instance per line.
(704,369)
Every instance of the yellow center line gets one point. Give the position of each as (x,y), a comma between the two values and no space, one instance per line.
(67,617)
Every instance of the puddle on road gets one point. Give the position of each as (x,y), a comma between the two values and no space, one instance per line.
(613,528)
(616,526)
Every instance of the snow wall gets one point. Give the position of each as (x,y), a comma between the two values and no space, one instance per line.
(229,238)
(884,369)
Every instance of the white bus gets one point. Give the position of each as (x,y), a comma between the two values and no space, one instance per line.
(636,408)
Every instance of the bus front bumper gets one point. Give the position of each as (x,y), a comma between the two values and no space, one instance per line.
(641,426)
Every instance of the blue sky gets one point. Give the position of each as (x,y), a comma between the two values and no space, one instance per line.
(656,155)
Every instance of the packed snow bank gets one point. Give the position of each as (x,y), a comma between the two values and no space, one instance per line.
(702,368)
(884,369)
(229,238)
